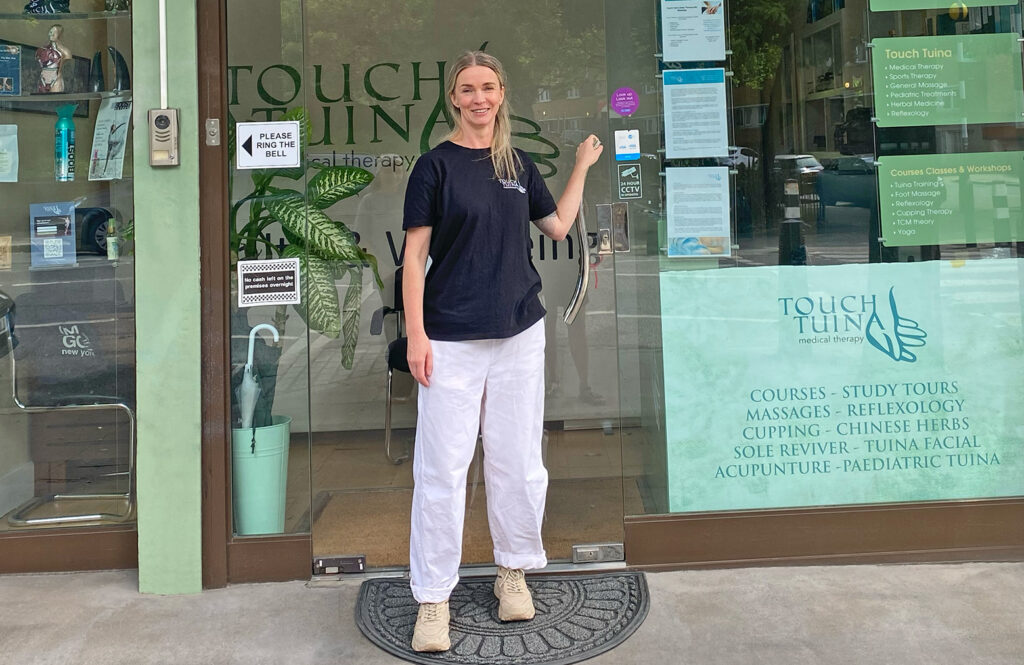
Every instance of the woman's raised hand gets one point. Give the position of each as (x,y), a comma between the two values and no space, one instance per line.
(588,151)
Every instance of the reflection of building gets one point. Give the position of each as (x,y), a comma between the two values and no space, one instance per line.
(567,114)
(826,80)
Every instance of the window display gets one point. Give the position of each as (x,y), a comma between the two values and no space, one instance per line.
(67,442)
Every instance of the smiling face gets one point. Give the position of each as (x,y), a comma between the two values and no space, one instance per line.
(478,96)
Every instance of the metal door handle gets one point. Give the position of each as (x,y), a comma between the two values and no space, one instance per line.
(575,303)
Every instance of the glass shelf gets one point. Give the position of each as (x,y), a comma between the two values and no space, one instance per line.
(70,96)
(79,178)
(64,17)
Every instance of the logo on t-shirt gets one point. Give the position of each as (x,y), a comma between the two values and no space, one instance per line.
(512,184)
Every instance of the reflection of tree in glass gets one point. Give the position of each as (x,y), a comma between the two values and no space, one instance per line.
(564,48)
(552,50)
(759,29)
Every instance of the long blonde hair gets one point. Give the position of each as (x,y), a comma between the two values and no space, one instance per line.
(506,161)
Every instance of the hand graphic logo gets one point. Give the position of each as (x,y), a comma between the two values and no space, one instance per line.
(895,335)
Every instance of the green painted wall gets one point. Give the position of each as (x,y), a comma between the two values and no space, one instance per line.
(168,312)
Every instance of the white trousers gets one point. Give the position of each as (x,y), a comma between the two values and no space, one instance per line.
(495,386)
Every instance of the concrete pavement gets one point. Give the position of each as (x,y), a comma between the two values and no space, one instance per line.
(958,614)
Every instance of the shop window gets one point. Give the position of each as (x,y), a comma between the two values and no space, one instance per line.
(67,286)
(881,157)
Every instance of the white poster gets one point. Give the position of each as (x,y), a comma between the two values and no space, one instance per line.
(692,30)
(106,160)
(269,282)
(695,113)
(697,211)
(8,153)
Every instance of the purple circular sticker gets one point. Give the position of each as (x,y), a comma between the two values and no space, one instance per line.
(625,101)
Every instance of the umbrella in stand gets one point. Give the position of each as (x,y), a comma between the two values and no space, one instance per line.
(249,389)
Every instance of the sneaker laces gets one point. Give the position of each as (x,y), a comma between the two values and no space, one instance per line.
(431,611)
(514,580)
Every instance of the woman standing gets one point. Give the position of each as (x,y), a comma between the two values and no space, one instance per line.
(476,342)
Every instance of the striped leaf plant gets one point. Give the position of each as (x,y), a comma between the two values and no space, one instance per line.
(296,201)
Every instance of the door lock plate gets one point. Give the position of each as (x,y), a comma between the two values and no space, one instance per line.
(612,228)
(334,565)
(598,552)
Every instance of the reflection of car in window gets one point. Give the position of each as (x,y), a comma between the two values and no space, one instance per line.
(739,156)
(802,167)
(849,180)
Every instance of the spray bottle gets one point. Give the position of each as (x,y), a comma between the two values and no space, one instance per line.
(64,144)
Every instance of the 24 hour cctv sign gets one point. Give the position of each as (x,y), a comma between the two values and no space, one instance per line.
(262,145)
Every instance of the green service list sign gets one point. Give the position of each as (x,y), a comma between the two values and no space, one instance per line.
(956,9)
(790,386)
(951,199)
(947,80)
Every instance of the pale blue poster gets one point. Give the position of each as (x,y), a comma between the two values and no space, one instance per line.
(803,386)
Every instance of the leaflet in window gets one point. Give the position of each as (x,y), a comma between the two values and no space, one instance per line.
(693,30)
(696,123)
(52,234)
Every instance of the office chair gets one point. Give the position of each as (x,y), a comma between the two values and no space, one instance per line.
(57,393)
(396,357)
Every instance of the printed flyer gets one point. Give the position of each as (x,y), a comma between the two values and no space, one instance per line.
(10,70)
(947,80)
(52,234)
(693,30)
(109,139)
(845,384)
(696,121)
(946,5)
(9,153)
(697,211)
(951,199)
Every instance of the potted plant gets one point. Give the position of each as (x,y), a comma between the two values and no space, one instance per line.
(295,201)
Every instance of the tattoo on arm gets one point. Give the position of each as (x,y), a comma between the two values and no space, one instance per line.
(547,224)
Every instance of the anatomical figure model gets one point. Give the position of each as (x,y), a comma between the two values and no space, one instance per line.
(53,59)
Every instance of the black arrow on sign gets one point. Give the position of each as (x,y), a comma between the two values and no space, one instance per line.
(248,145)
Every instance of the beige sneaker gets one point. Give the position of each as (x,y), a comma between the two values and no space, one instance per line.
(431,633)
(514,600)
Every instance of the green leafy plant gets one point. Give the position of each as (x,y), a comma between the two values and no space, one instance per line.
(297,200)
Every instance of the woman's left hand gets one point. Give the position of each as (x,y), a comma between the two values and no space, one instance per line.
(588,152)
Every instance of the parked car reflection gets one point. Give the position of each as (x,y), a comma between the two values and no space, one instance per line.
(802,167)
(849,180)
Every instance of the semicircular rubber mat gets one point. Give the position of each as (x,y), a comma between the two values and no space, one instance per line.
(578,617)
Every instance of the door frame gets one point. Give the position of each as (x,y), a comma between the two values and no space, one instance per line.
(225,559)
(980,530)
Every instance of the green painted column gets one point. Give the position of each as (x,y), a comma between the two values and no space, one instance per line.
(168,311)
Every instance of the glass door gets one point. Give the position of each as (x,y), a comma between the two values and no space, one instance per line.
(374,78)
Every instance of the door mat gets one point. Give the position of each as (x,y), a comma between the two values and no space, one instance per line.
(578,617)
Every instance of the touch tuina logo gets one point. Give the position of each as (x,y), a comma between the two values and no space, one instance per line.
(852,319)
(894,334)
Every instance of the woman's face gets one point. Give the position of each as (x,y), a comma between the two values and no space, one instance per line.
(478,95)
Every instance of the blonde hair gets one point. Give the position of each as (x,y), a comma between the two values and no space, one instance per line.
(506,161)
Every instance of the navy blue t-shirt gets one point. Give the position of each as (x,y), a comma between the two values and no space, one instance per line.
(481,283)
